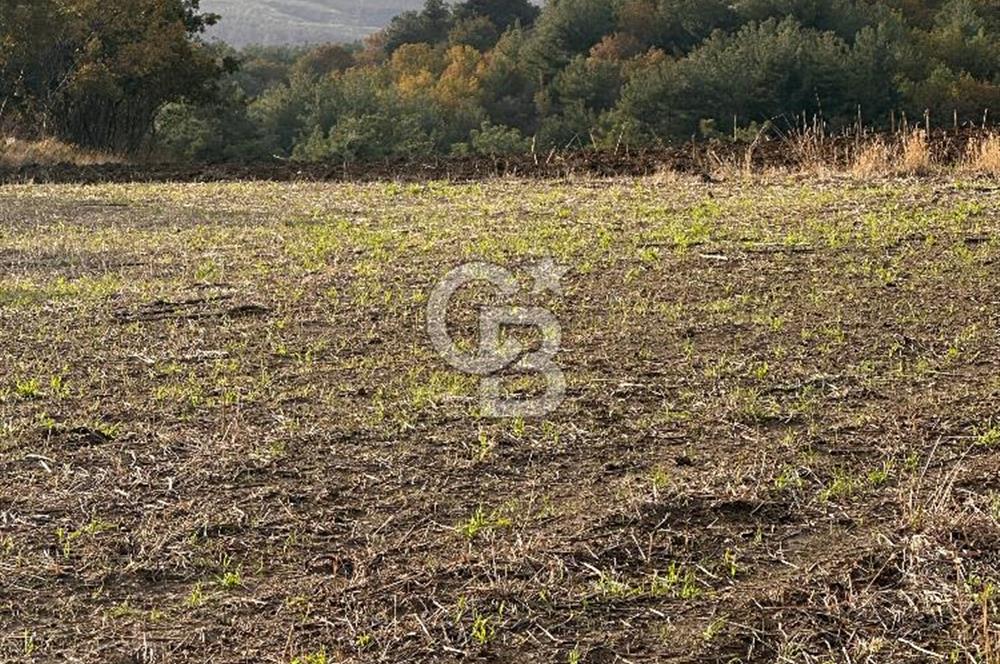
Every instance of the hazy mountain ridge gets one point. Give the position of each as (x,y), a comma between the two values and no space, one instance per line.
(301,21)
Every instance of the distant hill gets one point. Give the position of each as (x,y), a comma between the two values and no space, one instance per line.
(301,21)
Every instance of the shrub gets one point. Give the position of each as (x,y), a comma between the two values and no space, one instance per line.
(492,140)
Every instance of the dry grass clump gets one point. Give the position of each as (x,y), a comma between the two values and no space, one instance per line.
(16,152)
(813,151)
(911,156)
(917,158)
(983,156)
(873,159)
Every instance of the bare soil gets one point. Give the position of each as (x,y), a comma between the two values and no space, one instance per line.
(225,437)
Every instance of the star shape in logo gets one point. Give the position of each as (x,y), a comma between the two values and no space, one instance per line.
(547,275)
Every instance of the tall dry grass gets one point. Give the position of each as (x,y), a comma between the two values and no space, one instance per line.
(814,151)
(983,156)
(873,159)
(15,152)
(811,151)
(917,158)
(909,155)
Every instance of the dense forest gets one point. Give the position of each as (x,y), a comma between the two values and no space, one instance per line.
(491,76)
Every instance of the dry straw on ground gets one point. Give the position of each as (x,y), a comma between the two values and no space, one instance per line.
(16,152)
(223,440)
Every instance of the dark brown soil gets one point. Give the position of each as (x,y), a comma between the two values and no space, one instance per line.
(701,159)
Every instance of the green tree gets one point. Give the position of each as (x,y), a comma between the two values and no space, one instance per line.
(962,40)
(429,26)
(773,71)
(97,74)
(220,131)
(946,93)
(507,87)
(845,18)
(502,13)
(261,67)
(674,26)
(280,114)
(323,60)
(567,28)
(479,32)
(874,67)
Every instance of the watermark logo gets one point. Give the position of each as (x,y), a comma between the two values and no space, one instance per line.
(496,352)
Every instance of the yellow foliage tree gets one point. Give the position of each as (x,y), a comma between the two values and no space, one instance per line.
(414,68)
(459,82)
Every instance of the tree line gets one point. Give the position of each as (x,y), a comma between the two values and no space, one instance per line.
(98,73)
(492,76)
